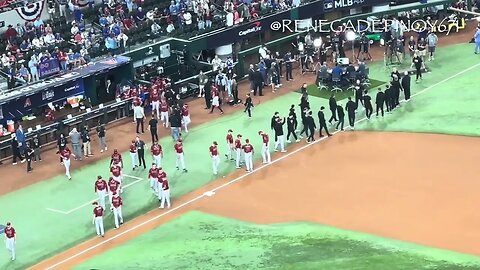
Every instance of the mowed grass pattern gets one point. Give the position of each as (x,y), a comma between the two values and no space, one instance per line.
(211,242)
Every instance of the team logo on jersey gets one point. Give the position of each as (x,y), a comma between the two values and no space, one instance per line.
(31,11)
(28,103)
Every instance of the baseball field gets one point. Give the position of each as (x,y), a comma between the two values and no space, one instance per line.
(399,192)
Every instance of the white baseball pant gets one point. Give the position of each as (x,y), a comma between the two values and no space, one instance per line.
(239,157)
(180,161)
(134,157)
(156,107)
(165,198)
(117,215)
(249,161)
(101,197)
(186,122)
(154,185)
(164,118)
(215,164)
(266,154)
(10,245)
(99,225)
(66,163)
(158,160)
(280,142)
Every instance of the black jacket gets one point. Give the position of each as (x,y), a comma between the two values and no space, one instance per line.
(291,123)
(340,112)
(310,122)
(406,82)
(85,136)
(351,107)
(367,100)
(380,98)
(332,103)
(321,118)
(278,127)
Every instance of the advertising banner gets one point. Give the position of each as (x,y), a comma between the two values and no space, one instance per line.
(49,67)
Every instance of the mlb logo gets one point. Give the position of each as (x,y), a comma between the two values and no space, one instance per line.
(328,4)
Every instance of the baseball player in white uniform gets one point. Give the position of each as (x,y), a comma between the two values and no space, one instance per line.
(101,190)
(98,212)
(215,158)
(265,147)
(165,193)
(10,239)
(134,154)
(117,204)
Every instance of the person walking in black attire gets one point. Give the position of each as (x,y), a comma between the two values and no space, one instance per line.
(36,145)
(288,66)
(258,83)
(153,127)
(273,122)
(291,127)
(359,95)
(141,152)
(332,104)
(322,122)
(406,85)
(208,94)
(379,100)
(16,150)
(367,102)
(395,91)
(417,62)
(294,114)
(61,143)
(311,127)
(248,105)
(341,117)
(304,122)
(350,108)
(278,128)
(388,98)
(29,157)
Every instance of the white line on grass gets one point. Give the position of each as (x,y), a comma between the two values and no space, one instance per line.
(231,182)
(138,179)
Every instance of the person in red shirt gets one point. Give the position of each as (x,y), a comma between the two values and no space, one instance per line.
(116,171)
(238,150)
(65,156)
(180,155)
(155,101)
(117,204)
(134,155)
(214,155)
(153,177)
(98,212)
(265,147)
(165,193)
(101,190)
(230,145)
(157,153)
(116,158)
(113,187)
(216,101)
(164,111)
(10,239)
(185,117)
(248,152)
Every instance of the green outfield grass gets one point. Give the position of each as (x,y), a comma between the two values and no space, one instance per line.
(444,108)
(210,242)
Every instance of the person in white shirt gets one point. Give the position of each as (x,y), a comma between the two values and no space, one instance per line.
(216,63)
(229,19)
(5,61)
(36,42)
(170,28)
(50,39)
(188,18)
(122,39)
(139,116)
(150,15)
(74,30)
(263,51)
(155,28)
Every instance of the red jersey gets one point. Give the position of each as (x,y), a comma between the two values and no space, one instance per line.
(265,138)
(98,211)
(238,144)
(133,148)
(248,148)
(213,150)
(100,185)
(113,185)
(154,95)
(162,175)
(178,148)
(165,185)
(185,111)
(66,154)
(156,149)
(116,157)
(164,106)
(153,173)
(9,232)
(116,170)
(117,201)
(229,138)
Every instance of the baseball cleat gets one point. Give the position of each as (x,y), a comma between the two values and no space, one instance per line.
(185,170)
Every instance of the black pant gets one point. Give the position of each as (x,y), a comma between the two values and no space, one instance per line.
(419,72)
(351,119)
(29,164)
(334,115)
(323,126)
(139,123)
(36,154)
(258,87)
(219,108)
(311,137)
(406,92)
(304,130)
(341,120)
(248,110)
(387,104)
(288,73)
(359,98)
(380,107)
(141,157)
(368,111)
(16,154)
(291,132)
(208,102)
(235,96)
(154,135)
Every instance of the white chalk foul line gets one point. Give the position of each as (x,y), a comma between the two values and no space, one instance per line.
(231,182)
(138,179)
